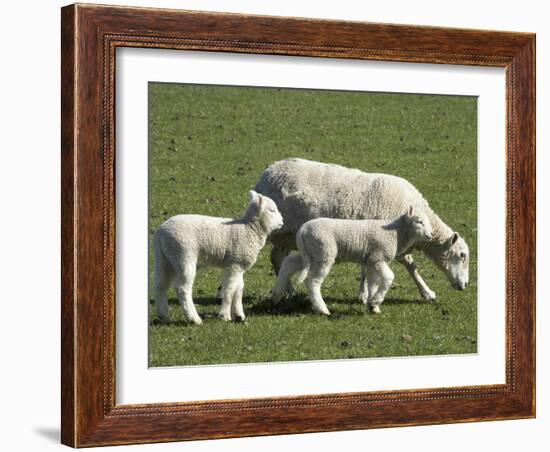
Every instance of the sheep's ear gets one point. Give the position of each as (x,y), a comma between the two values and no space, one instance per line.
(411,211)
(454,238)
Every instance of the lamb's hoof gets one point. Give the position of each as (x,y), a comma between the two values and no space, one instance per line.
(429,295)
(196,321)
(376,309)
(240,318)
(364,299)
(321,310)
(225,317)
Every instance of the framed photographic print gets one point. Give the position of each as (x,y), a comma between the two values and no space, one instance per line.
(280,225)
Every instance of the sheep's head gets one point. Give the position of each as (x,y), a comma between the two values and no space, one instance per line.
(265,211)
(453,258)
(419,225)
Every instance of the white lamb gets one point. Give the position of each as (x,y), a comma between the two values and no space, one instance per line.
(185,242)
(371,243)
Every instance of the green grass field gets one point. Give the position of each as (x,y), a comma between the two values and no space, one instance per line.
(208,146)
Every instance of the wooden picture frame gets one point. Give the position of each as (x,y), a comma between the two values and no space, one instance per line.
(90,36)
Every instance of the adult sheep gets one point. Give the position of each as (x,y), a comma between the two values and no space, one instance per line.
(304,190)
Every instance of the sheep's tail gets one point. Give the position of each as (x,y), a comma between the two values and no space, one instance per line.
(306,259)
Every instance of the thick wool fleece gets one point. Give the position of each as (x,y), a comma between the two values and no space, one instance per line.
(304,189)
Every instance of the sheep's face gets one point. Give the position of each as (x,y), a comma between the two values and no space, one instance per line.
(419,225)
(455,261)
(266,211)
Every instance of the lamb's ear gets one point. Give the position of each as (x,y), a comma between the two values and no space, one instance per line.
(254,197)
(454,238)
(410,211)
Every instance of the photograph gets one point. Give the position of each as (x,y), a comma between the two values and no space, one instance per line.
(280,224)
(294,224)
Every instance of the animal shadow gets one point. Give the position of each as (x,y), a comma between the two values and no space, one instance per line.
(295,305)
(202,301)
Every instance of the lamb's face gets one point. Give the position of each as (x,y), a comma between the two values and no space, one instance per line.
(419,225)
(267,211)
(455,261)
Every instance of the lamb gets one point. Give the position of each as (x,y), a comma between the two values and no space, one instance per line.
(304,190)
(371,243)
(185,242)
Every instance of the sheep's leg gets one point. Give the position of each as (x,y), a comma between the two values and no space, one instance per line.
(423,288)
(237,311)
(184,289)
(163,276)
(382,277)
(230,284)
(363,286)
(278,255)
(292,264)
(317,274)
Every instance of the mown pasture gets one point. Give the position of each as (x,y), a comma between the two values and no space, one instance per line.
(207,148)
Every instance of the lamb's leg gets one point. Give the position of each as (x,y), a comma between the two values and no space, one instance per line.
(363,286)
(292,264)
(373,283)
(278,255)
(230,284)
(423,288)
(382,277)
(237,311)
(184,288)
(163,276)
(317,274)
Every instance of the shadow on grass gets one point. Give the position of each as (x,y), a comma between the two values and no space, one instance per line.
(399,301)
(297,305)
(201,301)
(300,304)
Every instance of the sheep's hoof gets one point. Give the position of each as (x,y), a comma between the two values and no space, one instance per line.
(376,309)
(363,298)
(225,317)
(276,297)
(239,318)
(429,295)
(196,321)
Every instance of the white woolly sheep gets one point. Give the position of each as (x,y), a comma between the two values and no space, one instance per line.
(304,190)
(371,243)
(185,242)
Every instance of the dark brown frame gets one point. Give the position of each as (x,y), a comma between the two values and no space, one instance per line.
(90,35)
